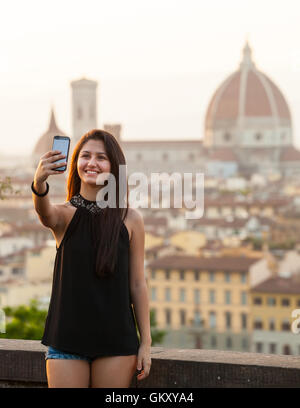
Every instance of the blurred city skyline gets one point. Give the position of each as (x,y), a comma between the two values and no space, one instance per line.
(157,63)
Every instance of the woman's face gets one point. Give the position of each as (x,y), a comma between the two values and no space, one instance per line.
(92,156)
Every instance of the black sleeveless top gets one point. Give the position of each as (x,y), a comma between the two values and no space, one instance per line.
(88,315)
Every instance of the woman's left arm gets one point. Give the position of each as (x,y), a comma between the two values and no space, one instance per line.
(139,291)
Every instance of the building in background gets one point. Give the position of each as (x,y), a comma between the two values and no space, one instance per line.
(84,108)
(272,302)
(203,302)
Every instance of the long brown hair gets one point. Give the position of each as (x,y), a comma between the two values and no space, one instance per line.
(108,224)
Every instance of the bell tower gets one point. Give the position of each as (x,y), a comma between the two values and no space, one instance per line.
(84,107)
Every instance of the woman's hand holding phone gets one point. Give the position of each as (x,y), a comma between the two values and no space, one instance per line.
(46,166)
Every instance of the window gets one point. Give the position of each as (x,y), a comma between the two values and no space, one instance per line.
(243,298)
(227,297)
(258,324)
(168,316)
(244,321)
(16,271)
(258,136)
(197,296)
(213,341)
(153,274)
(272,324)
(211,276)
(259,347)
(298,302)
(153,293)
(243,278)
(181,273)
(227,277)
(228,342)
(212,296)
(167,274)
(257,301)
(197,318)
(286,349)
(168,294)
(244,343)
(227,136)
(285,302)
(196,275)
(271,301)
(212,320)
(182,314)
(228,320)
(272,348)
(285,325)
(182,295)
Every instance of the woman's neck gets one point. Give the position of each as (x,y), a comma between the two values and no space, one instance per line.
(89,194)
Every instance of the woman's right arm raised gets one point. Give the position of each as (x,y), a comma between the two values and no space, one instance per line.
(49,214)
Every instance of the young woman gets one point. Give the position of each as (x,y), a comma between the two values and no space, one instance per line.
(90,328)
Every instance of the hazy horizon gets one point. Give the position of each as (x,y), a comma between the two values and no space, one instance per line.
(157,63)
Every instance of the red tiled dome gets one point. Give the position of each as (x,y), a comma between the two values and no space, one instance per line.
(247,93)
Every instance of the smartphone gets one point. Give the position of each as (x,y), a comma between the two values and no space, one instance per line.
(61,143)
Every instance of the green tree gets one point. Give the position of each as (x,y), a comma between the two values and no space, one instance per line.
(286,245)
(156,334)
(28,322)
(5,185)
(24,322)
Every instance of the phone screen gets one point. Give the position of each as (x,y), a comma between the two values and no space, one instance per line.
(62,144)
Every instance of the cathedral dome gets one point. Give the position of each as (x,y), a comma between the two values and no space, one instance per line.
(248,109)
(44,144)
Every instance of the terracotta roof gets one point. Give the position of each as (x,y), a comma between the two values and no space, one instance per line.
(156,221)
(161,142)
(223,154)
(228,263)
(234,223)
(290,154)
(157,248)
(221,202)
(279,285)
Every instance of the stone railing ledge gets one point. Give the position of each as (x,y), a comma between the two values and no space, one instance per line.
(22,364)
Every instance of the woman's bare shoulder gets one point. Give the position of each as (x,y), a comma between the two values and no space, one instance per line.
(135,218)
(131,220)
(67,210)
(134,214)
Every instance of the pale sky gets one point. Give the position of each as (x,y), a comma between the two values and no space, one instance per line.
(157,62)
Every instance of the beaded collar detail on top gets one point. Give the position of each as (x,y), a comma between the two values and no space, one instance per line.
(79,201)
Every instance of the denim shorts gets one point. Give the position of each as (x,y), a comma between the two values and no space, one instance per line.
(53,353)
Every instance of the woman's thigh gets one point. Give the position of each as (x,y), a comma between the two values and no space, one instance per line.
(68,373)
(113,371)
